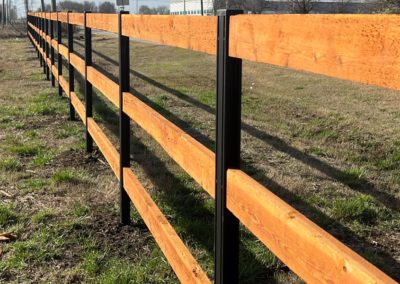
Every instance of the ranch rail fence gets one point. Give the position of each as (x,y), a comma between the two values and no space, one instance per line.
(354,47)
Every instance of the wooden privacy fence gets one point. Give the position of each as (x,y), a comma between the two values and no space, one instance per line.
(360,48)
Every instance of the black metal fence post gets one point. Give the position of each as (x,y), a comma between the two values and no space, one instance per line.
(46,24)
(124,121)
(88,85)
(53,79)
(41,43)
(59,56)
(229,87)
(71,72)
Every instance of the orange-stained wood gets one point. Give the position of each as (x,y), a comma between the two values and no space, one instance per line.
(196,159)
(109,88)
(63,50)
(48,61)
(181,260)
(105,22)
(54,71)
(361,48)
(53,16)
(64,85)
(54,44)
(63,17)
(106,147)
(76,19)
(192,32)
(79,107)
(309,251)
(78,63)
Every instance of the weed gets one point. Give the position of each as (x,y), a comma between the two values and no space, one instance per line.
(352,176)
(11,165)
(8,216)
(26,150)
(361,208)
(67,176)
(41,216)
(43,158)
(92,262)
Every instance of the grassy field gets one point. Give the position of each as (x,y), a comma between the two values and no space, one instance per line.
(330,148)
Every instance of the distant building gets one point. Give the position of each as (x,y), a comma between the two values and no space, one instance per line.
(190,7)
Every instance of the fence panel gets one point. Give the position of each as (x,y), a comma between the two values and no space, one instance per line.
(307,249)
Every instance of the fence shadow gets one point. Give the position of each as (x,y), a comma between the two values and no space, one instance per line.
(359,184)
(181,198)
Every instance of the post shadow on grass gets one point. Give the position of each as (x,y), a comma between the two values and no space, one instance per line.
(359,184)
(182,198)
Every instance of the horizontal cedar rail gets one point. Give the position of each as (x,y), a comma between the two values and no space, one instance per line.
(105,22)
(54,44)
(191,32)
(106,86)
(104,144)
(304,247)
(77,62)
(54,71)
(361,48)
(62,17)
(196,159)
(64,85)
(78,105)
(63,50)
(179,257)
(76,19)
(48,61)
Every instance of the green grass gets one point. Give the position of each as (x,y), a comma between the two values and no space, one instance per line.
(41,216)
(80,210)
(44,246)
(353,176)
(43,158)
(33,184)
(68,130)
(26,150)
(8,215)
(362,209)
(67,176)
(11,165)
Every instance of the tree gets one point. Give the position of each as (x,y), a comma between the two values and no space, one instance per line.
(71,6)
(390,6)
(301,6)
(161,10)
(89,6)
(107,7)
(145,10)
(254,6)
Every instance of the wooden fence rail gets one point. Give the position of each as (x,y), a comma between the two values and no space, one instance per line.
(359,48)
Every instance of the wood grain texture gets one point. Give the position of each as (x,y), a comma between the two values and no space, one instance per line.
(76,19)
(106,86)
(54,71)
(181,260)
(78,63)
(105,22)
(196,159)
(53,16)
(192,32)
(305,248)
(63,17)
(63,50)
(79,107)
(361,48)
(54,44)
(64,85)
(106,147)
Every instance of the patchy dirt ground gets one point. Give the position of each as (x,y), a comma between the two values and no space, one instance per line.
(328,147)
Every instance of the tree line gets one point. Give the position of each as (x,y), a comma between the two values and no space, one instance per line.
(80,7)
